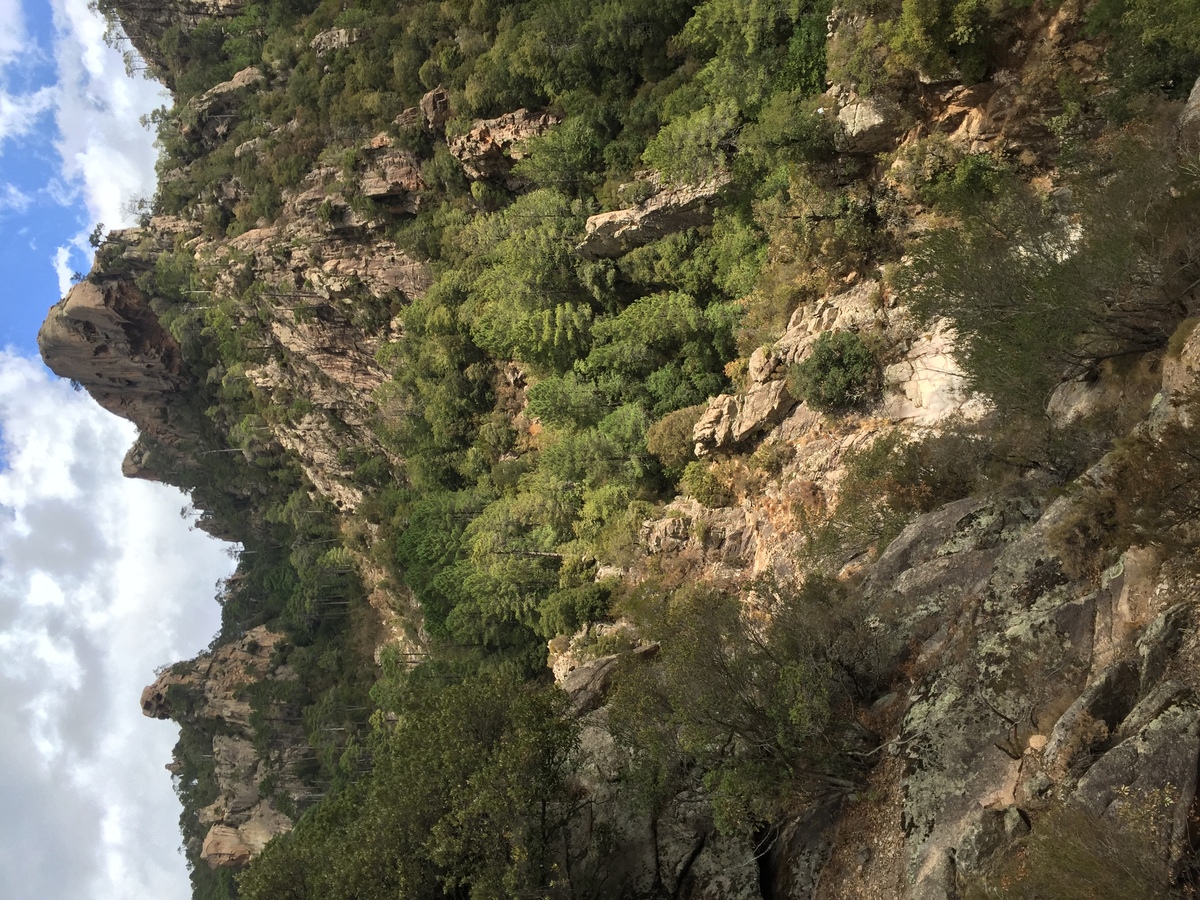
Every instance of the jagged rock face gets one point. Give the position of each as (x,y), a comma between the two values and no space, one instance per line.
(215,680)
(435,108)
(612,234)
(242,819)
(335,39)
(104,336)
(488,149)
(317,281)
(213,115)
(391,177)
(921,388)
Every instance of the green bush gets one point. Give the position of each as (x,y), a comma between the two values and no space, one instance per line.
(704,487)
(840,373)
(670,439)
(568,610)
(695,147)
(759,696)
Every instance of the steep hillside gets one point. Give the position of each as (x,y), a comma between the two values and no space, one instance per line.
(677,449)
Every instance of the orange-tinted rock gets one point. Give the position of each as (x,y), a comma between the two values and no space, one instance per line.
(487,150)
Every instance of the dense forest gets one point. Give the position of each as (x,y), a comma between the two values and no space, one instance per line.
(535,403)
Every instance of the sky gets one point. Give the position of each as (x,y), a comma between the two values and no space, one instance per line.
(101,578)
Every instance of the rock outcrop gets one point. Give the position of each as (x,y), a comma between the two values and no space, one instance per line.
(105,337)
(210,117)
(674,209)
(489,148)
(868,125)
(390,176)
(1189,121)
(209,694)
(333,40)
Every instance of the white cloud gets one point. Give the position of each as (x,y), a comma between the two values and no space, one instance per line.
(97,108)
(12,198)
(19,113)
(12,34)
(62,269)
(100,582)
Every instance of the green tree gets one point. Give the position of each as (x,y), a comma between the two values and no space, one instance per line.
(467,797)
(761,698)
(1039,289)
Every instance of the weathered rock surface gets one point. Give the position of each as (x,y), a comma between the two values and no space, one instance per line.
(674,209)
(390,176)
(104,336)
(209,693)
(435,109)
(730,420)
(488,149)
(927,385)
(213,682)
(232,847)
(868,125)
(212,116)
(334,39)
(1151,775)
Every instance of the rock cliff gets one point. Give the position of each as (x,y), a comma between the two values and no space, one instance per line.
(448,424)
(105,336)
(209,695)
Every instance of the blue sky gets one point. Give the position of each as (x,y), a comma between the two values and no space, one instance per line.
(101,579)
(71,152)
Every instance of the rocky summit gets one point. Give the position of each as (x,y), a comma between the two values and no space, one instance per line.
(682,449)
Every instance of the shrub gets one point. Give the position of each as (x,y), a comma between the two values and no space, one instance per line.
(759,695)
(693,148)
(568,610)
(700,483)
(890,482)
(840,373)
(670,439)
(1071,853)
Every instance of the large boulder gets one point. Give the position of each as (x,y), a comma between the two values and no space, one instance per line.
(729,420)
(488,149)
(615,233)
(868,125)
(435,108)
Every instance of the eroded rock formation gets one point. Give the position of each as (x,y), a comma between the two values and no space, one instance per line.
(489,148)
(209,694)
(673,209)
(104,336)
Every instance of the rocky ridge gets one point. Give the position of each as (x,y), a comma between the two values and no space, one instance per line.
(209,692)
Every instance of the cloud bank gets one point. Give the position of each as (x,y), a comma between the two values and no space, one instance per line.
(99,584)
(97,107)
